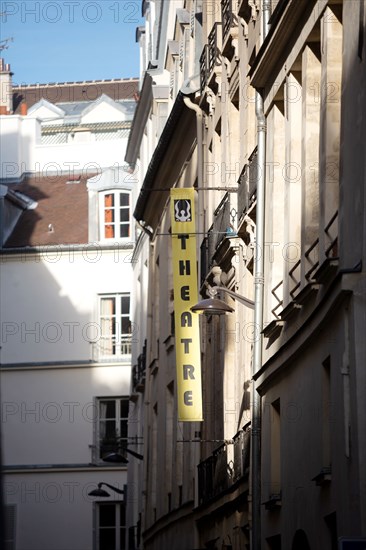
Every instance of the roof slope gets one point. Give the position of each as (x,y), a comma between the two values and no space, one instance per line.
(61,216)
(66,92)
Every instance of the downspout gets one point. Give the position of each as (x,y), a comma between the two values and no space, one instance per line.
(189,103)
(258,299)
(199,118)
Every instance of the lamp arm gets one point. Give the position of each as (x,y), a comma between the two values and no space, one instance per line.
(120,491)
(245,301)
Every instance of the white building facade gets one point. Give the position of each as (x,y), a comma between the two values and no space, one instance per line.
(66,283)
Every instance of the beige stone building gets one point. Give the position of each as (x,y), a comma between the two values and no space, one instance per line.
(272,135)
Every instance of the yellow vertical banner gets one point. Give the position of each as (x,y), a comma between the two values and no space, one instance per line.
(187,337)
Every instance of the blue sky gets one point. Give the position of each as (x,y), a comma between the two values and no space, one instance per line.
(67,40)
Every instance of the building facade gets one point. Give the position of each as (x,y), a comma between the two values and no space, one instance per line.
(271,136)
(66,283)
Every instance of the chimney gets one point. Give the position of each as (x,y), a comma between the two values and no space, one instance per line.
(6,88)
(23,109)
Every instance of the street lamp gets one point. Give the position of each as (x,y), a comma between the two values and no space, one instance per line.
(118,458)
(99,492)
(214,306)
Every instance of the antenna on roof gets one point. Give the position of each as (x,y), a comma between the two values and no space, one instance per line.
(4,43)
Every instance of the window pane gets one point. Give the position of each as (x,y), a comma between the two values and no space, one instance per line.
(126,326)
(107,539)
(124,215)
(108,429)
(109,232)
(124,408)
(108,306)
(124,231)
(125,305)
(109,215)
(122,515)
(109,200)
(124,199)
(107,409)
(108,326)
(123,428)
(122,539)
(107,515)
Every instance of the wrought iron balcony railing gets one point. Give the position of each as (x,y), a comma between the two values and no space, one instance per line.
(247,184)
(215,475)
(210,56)
(227,17)
(139,371)
(241,454)
(220,229)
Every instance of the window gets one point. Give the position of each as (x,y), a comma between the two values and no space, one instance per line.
(115,215)
(115,326)
(9,526)
(112,425)
(111,523)
(275,487)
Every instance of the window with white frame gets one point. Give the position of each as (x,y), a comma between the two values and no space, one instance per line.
(112,425)
(115,326)
(111,526)
(115,214)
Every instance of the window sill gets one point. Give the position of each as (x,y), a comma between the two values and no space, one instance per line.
(274,501)
(323,477)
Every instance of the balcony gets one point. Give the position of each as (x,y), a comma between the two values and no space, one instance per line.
(247,185)
(241,455)
(112,349)
(227,17)
(139,372)
(210,59)
(215,475)
(230,31)
(219,230)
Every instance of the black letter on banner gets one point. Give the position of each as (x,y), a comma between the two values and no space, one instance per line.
(183,239)
(186,342)
(184,293)
(188,372)
(184,266)
(188,398)
(186,319)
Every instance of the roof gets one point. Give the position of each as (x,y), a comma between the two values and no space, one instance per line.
(67,92)
(60,217)
(72,113)
(142,111)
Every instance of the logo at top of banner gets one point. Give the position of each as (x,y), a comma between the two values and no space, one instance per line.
(182,210)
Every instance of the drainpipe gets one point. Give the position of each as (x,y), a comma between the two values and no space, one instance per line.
(201,196)
(258,308)
(189,103)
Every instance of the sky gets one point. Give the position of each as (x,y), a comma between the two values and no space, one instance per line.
(68,41)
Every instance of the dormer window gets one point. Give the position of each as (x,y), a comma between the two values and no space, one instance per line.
(115,215)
